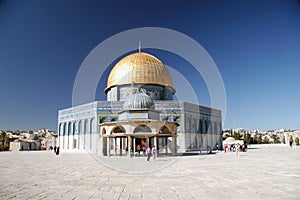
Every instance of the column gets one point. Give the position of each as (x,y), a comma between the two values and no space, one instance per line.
(166,138)
(126,142)
(100,143)
(147,142)
(121,146)
(108,146)
(155,143)
(174,146)
(129,145)
(115,146)
(133,146)
(207,142)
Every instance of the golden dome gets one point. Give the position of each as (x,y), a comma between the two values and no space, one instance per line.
(139,68)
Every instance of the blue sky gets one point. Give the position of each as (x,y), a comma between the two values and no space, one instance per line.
(255,44)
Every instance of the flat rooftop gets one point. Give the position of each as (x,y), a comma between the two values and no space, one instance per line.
(265,172)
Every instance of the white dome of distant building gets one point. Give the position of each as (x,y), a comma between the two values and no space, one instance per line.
(231,140)
(282,130)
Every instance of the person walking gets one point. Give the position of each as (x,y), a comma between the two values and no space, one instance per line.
(131,153)
(57,151)
(139,150)
(154,152)
(237,148)
(244,148)
(291,142)
(144,150)
(148,153)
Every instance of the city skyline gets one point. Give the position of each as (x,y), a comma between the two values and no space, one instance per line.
(254,44)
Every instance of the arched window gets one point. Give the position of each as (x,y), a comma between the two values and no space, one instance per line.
(60,129)
(92,125)
(208,126)
(205,127)
(86,126)
(176,119)
(201,126)
(69,128)
(79,127)
(73,128)
(65,127)
(220,128)
(215,127)
(102,119)
(194,126)
(164,129)
(187,124)
(118,129)
(142,128)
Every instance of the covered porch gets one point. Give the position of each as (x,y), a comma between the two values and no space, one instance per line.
(124,138)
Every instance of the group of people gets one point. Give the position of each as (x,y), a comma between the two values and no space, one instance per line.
(149,151)
(55,149)
(235,148)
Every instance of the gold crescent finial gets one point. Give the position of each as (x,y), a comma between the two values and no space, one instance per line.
(140,46)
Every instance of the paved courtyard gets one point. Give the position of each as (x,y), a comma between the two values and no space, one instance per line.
(265,172)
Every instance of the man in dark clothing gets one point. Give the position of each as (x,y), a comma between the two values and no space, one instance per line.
(57,151)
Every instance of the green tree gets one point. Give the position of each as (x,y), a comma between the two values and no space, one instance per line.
(258,139)
(276,139)
(266,140)
(2,134)
(2,139)
(237,136)
(247,138)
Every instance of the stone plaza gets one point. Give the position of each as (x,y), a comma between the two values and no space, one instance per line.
(265,172)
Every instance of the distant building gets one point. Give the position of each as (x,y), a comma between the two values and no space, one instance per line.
(27,141)
(291,135)
(32,143)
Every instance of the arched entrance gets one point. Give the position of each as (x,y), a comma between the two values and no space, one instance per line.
(73,135)
(140,139)
(118,129)
(123,139)
(163,140)
(142,129)
(116,141)
(80,127)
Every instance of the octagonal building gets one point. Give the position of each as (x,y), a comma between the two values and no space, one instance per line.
(139,111)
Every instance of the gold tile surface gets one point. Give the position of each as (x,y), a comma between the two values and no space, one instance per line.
(139,68)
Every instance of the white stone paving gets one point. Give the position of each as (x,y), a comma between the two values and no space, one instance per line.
(265,172)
